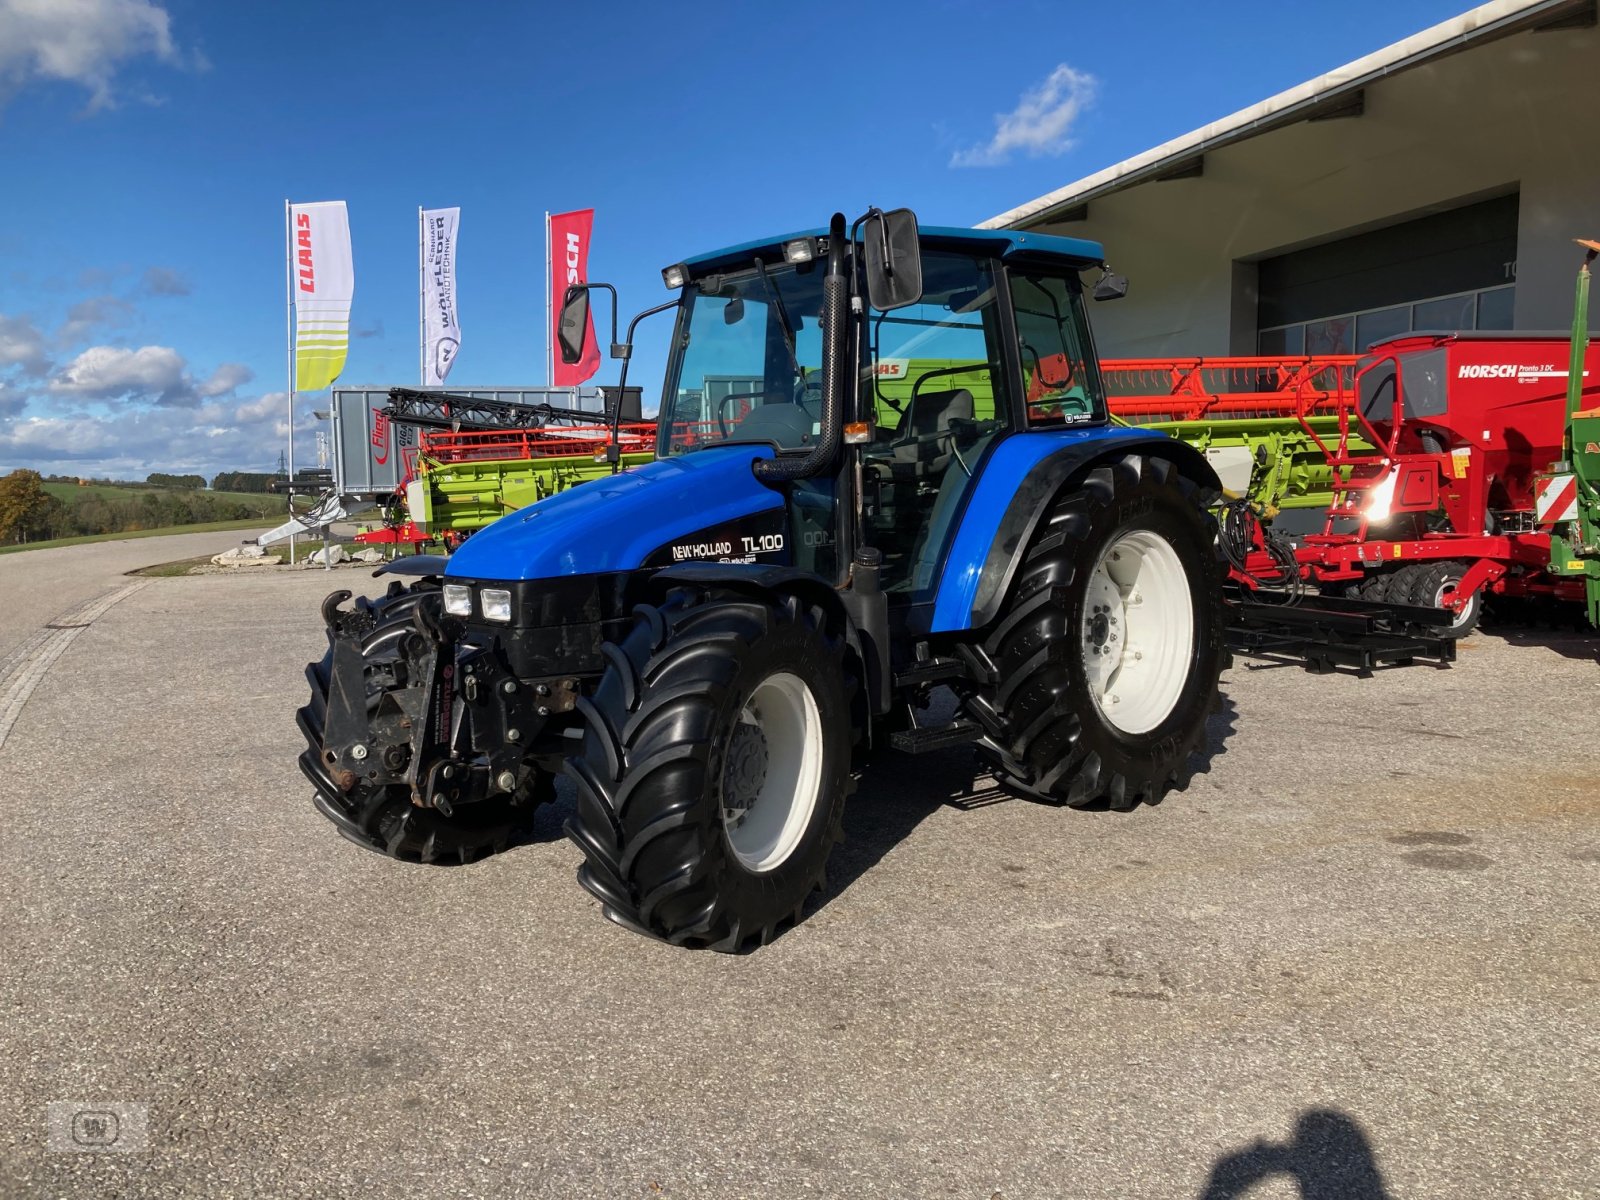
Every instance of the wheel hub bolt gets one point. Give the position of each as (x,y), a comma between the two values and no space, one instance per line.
(358,752)
(505,781)
(509,686)
(513,735)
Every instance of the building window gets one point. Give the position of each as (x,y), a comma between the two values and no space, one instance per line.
(1353,333)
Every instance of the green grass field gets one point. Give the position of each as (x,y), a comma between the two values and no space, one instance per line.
(210,527)
(72,493)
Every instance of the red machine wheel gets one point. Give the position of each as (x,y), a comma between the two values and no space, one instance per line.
(1429,586)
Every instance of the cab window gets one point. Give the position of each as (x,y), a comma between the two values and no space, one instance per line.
(936,381)
(1061,382)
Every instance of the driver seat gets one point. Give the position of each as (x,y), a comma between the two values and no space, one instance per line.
(922,436)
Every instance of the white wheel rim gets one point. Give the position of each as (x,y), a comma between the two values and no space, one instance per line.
(1464,614)
(1138,631)
(772,773)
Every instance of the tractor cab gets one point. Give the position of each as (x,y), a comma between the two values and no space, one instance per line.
(995,341)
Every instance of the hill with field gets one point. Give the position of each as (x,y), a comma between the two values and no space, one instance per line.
(33,509)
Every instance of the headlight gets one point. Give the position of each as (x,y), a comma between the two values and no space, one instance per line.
(675,276)
(458,599)
(801,250)
(496,604)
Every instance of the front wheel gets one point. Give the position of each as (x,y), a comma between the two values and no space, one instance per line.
(713,770)
(1110,647)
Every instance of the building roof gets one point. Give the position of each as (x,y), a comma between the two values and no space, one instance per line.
(1325,95)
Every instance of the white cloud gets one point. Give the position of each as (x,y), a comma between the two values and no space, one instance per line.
(22,345)
(1041,124)
(108,372)
(83,42)
(225,379)
(271,407)
(157,374)
(130,443)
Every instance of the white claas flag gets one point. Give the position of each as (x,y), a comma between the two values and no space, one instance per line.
(441,328)
(324,284)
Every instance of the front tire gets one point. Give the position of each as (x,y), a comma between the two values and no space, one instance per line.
(1110,648)
(713,771)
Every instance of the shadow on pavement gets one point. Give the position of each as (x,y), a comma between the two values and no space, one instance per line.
(1581,643)
(1328,1158)
(897,792)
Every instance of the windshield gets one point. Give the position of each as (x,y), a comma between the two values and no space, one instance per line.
(747,363)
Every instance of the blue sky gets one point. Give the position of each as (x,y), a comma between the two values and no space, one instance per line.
(149,145)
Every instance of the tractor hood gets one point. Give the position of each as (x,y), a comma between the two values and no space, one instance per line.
(614,524)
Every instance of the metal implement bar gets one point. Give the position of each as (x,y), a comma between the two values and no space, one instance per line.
(444,410)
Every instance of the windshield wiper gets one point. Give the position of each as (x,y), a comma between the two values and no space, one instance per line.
(783,317)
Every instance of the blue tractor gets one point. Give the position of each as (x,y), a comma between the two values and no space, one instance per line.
(884,466)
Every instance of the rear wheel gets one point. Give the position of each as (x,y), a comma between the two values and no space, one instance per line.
(712,775)
(381,817)
(1110,648)
(1432,583)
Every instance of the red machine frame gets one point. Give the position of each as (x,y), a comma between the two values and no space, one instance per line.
(1472,456)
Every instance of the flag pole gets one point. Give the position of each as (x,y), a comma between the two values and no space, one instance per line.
(549,314)
(422,317)
(288,297)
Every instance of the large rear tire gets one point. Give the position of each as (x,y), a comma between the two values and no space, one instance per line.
(381,817)
(713,772)
(1110,647)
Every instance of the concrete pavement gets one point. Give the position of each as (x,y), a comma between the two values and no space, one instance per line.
(1358,953)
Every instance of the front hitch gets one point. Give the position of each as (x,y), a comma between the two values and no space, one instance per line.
(411,704)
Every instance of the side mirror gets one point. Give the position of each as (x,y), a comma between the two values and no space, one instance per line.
(573,327)
(894,259)
(1110,287)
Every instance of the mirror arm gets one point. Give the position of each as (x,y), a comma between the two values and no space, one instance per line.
(614,449)
(614,344)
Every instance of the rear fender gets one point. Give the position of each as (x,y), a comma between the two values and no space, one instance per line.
(1018,483)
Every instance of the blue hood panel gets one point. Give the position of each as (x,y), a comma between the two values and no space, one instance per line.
(613,524)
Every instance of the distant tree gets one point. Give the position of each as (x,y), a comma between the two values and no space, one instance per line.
(242,481)
(163,479)
(24,504)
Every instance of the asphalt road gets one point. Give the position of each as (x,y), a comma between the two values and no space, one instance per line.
(1358,958)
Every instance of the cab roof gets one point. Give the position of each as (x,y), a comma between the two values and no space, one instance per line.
(1000,243)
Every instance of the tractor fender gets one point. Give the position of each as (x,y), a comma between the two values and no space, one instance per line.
(1013,494)
(764,579)
(752,577)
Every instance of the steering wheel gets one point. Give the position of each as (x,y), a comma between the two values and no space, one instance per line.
(722,409)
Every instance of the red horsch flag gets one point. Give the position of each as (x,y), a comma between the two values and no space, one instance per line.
(569,264)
